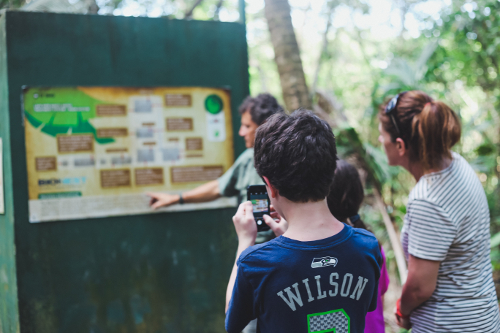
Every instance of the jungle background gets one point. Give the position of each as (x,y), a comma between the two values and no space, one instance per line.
(344,59)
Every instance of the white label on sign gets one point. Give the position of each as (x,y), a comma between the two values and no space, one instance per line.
(216,127)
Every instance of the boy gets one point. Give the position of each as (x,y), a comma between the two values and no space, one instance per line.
(320,275)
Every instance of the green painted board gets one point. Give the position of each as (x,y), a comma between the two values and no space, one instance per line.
(144,273)
(9,316)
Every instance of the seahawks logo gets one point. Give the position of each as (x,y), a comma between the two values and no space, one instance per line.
(323,262)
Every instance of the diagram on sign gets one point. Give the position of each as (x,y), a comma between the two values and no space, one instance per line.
(99,149)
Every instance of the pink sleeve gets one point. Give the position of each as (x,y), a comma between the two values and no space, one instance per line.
(384,276)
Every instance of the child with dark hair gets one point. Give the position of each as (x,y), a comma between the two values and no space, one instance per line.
(321,275)
(344,201)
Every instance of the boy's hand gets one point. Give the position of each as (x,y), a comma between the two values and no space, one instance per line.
(245,225)
(277,224)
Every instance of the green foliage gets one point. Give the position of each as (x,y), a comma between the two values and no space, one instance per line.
(495,251)
(406,75)
(455,61)
(460,67)
(11,4)
(495,240)
(469,45)
(468,54)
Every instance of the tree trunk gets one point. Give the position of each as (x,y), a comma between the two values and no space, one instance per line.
(93,8)
(287,55)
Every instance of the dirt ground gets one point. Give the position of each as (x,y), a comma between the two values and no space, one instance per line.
(390,298)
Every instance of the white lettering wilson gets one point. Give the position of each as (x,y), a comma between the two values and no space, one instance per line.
(293,298)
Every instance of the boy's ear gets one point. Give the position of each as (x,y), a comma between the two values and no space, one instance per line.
(272,191)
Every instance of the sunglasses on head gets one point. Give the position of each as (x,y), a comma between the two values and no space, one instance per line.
(390,110)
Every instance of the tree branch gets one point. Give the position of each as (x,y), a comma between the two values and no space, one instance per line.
(217,10)
(189,13)
(393,236)
(322,52)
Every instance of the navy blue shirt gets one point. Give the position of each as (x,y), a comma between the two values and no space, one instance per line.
(316,286)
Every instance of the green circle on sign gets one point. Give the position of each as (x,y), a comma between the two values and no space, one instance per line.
(213,104)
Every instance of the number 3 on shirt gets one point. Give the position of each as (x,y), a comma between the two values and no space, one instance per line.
(336,321)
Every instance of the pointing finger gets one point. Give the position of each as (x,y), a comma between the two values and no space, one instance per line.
(157,204)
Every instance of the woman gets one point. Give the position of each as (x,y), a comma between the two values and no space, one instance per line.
(446,230)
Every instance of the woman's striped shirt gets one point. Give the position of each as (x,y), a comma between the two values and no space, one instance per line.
(448,220)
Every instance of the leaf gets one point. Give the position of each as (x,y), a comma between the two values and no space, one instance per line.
(485,149)
(402,70)
(482,164)
(495,240)
(387,88)
(380,162)
(420,64)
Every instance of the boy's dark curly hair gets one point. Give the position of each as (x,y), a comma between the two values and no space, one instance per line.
(297,154)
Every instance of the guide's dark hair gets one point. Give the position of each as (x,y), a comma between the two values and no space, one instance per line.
(261,107)
(297,154)
(347,194)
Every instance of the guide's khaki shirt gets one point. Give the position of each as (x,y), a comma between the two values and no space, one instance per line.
(236,180)
(242,174)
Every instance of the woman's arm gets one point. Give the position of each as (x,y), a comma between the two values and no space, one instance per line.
(420,284)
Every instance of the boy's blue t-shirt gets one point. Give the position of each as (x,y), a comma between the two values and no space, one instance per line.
(326,285)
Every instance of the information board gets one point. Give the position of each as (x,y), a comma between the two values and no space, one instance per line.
(96,151)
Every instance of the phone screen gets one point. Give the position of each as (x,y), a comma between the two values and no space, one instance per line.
(257,194)
(260,204)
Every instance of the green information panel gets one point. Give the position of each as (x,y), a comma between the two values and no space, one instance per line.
(95,151)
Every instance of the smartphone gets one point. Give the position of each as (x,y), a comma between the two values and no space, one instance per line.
(257,194)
